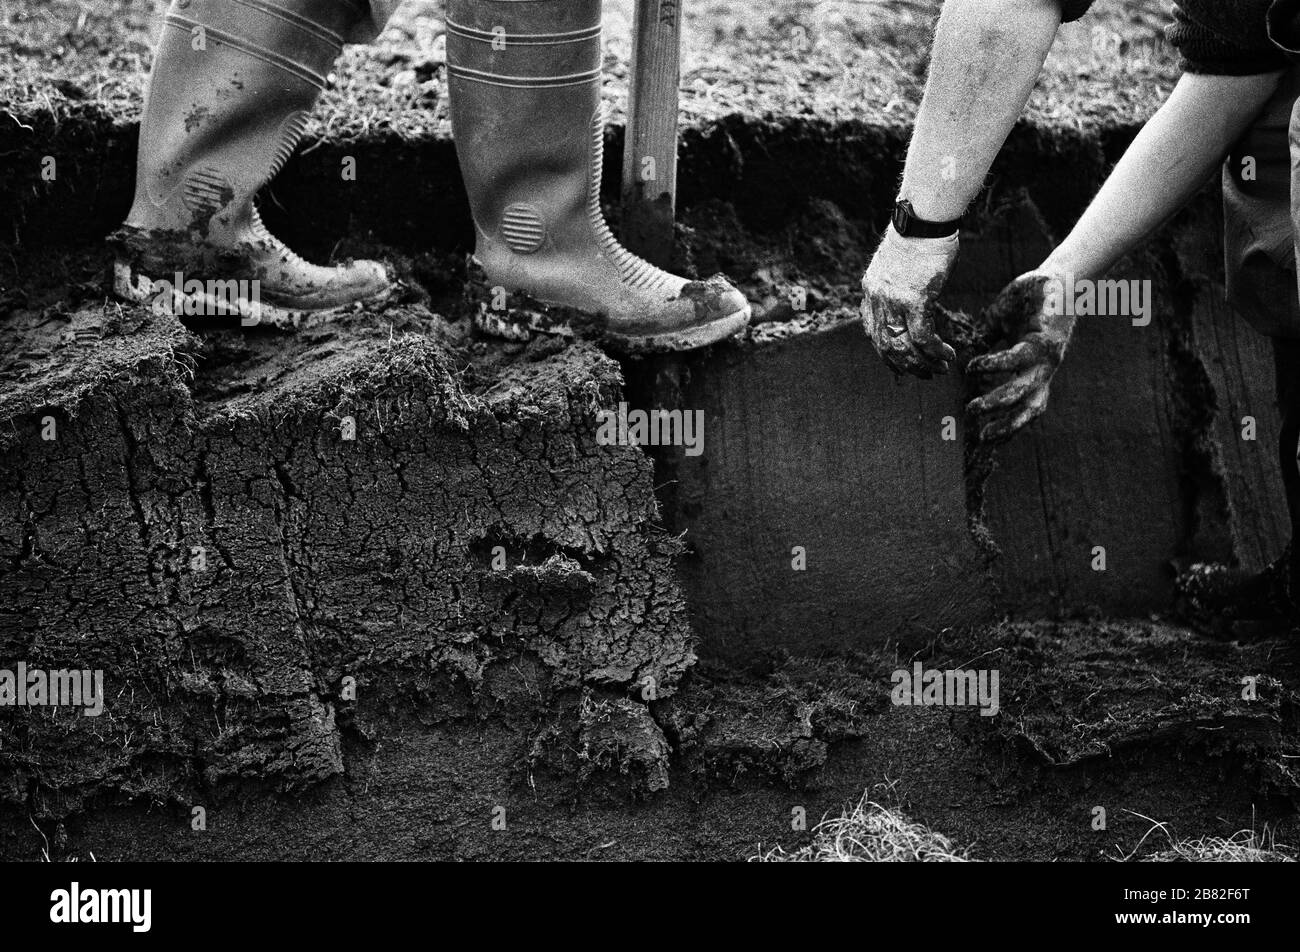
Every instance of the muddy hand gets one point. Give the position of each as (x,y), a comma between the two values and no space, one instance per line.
(1014,382)
(900,287)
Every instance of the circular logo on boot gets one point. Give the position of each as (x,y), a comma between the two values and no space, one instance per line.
(522,228)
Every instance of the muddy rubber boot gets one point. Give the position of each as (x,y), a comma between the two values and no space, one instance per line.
(526,114)
(232,84)
(1231,604)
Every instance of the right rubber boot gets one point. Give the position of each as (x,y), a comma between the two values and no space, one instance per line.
(524,83)
(231,88)
(1234,605)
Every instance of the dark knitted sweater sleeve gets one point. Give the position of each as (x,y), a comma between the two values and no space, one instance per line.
(1073,9)
(1225,37)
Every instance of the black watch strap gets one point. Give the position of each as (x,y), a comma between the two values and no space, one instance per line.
(909,226)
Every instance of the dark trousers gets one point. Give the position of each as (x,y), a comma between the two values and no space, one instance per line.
(1261,217)
(1286,361)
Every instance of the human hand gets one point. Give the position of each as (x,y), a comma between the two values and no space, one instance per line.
(900,288)
(1015,382)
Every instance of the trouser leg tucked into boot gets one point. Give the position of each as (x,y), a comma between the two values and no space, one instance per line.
(232,84)
(524,80)
(1234,604)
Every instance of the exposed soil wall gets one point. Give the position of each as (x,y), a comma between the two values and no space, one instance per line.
(472,612)
(802,425)
(832,503)
(247,540)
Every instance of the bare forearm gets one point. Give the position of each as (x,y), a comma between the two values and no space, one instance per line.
(986,58)
(1168,162)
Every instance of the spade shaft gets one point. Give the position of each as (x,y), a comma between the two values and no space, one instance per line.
(650,149)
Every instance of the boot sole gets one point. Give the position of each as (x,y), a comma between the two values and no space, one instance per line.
(525,318)
(205,311)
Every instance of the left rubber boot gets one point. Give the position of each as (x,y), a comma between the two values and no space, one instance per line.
(230,91)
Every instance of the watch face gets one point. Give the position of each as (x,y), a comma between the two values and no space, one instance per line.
(901,218)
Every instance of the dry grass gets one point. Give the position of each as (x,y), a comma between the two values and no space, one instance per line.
(56,53)
(870,833)
(1244,846)
(833,59)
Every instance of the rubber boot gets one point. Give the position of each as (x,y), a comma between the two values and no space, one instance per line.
(524,78)
(232,84)
(1229,603)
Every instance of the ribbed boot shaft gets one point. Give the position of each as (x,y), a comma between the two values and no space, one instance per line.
(227,103)
(525,80)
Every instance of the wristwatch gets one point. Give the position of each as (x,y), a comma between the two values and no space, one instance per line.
(909,226)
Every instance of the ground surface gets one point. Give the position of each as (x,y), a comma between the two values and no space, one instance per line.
(794,116)
(838,59)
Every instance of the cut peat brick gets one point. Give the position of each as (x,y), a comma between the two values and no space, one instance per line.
(385,519)
(809,441)
(810,444)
